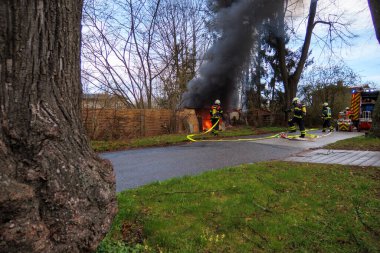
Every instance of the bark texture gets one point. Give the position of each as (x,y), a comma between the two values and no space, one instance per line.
(374,6)
(375,128)
(56,195)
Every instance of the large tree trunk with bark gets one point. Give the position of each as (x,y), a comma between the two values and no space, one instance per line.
(375,129)
(56,194)
(374,6)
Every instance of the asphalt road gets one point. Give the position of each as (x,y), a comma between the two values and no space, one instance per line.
(134,168)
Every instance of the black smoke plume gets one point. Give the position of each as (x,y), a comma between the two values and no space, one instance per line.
(238,23)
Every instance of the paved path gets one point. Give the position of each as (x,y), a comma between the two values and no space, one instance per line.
(134,168)
(345,157)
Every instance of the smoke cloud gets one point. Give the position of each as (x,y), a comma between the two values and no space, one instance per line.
(237,22)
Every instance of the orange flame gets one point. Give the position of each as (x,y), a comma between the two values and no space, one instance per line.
(206,119)
(206,124)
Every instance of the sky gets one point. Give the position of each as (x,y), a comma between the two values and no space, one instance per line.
(363,56)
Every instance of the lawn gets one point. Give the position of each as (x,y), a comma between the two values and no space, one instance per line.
(170,139)
(262,207)
(368,143)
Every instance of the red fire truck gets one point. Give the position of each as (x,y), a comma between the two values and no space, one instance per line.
(362,105)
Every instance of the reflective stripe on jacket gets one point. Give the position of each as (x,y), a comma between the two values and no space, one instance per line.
(326,112)
(299,111)
(216,111)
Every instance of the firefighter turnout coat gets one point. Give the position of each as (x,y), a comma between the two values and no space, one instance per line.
(299,112)
(216,114)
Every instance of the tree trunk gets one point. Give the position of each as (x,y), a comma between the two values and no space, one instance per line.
(281,53)
(375,128)
(56,194)
(374,6)
(291,79)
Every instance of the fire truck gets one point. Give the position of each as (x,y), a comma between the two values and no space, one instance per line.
(362,105)
(344,121)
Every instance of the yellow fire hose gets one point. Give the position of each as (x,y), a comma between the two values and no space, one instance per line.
(190,136)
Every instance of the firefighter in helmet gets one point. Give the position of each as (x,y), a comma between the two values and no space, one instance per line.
(326,116)
(299,112)
(347,113)
(216,113)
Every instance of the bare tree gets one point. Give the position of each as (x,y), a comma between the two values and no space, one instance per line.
(119,45)
(142,51)
(56,194)
(321,77)
(337,30)
(327,84)
(184,41)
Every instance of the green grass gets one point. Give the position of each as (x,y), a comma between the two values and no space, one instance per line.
(357,143)
(161,140)
(263,207)
(170,139)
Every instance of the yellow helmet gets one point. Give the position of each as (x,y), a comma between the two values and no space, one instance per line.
(217,102)
(295,100)
(325,104)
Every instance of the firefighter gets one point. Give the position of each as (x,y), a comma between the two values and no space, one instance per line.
(216,113)
(299,112)
(347,113)
(326,116)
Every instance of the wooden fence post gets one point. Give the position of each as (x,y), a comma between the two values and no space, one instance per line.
(142,122)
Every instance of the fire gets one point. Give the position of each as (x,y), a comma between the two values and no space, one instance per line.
(205,118)
(206,124)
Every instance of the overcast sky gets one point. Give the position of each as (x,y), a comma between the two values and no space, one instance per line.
(364,54)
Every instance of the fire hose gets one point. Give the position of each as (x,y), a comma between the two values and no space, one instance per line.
(189,137)
(279,135)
